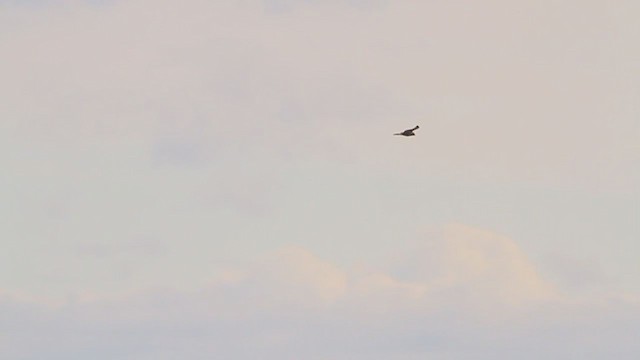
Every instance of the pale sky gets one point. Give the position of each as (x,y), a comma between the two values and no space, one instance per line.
(203,179)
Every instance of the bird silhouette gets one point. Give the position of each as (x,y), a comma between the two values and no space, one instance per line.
(409,132)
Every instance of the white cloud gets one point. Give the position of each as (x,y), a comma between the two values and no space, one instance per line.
(478,262)
(483,299)
(135,129)
(290,277)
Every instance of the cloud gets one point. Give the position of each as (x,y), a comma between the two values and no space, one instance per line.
(477,262)
(144,115)
(289,278)
(483,298)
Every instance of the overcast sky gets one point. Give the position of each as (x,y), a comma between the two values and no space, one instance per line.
(203,179)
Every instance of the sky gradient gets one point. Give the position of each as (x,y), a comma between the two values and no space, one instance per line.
(218,179)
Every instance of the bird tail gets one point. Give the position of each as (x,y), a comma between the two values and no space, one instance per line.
(397,134)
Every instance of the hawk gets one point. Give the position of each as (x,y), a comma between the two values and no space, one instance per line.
(409,132)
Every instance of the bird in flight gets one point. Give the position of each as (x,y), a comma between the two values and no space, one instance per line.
(409,132)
